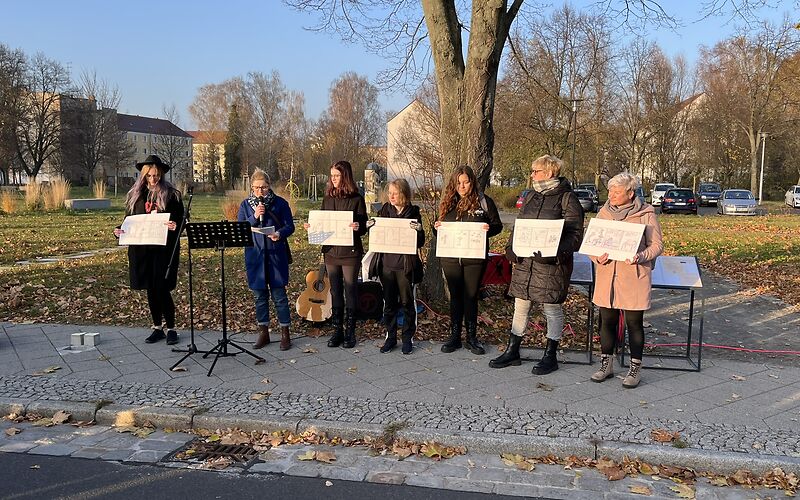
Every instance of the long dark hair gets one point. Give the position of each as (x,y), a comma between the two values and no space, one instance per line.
(139,190)
(347,186)
(451,199)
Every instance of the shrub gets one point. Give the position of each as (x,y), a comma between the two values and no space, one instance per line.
(504,197)
(99,188)
(8,201)
(33,195)
(230,204)
(56,192)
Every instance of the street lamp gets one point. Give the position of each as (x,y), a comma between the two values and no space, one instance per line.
(574,103)
(763,137)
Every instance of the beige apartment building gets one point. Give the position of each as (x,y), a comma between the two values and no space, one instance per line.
(208,154)
(155,136)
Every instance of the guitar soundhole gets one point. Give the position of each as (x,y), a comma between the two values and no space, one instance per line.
(319,286)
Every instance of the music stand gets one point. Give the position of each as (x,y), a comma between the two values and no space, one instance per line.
(219,236)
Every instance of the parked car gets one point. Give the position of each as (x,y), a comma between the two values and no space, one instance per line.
(708,193)
(640,194)
(679,200)
(587,200)
(658,192)
(521,198)
(736,202)
(793,197)
(591,187)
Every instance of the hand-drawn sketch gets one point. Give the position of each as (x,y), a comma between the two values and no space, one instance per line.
(465,240)
(390,235)
(619,239)
(537,235)
(145,229)
(330,227)
(677,272)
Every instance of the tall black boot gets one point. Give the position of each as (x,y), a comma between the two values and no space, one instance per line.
(349,329)
(454,342)
(473,344)
(511,356)
(390,342)
(548,363)
(338,327)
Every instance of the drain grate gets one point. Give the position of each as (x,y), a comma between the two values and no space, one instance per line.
(200,451)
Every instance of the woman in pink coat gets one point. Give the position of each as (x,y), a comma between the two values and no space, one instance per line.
(625,286)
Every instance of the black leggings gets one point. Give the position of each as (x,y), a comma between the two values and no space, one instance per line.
(348,274)
(398,292)
(609,325)
(463,282)
(161,306)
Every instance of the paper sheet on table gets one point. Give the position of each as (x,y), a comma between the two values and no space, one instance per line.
(464,240)
(145,229)
(330,227)
(537,235)
(620,240)
(266,231)
(677,271)
(390,235)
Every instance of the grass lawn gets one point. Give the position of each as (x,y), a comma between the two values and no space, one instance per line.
(761,253)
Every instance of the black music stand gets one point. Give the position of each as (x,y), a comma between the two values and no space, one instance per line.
(222,235)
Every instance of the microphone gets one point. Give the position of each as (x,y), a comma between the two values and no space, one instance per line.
(261,219)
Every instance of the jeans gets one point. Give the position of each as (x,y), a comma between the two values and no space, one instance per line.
(280,300)
(553,313)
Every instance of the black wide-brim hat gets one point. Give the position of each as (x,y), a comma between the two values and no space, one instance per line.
(153,160)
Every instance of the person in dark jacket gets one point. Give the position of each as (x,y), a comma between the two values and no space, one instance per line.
(342,263)
(151,193)
(544,280)
(463,202)
(400,273)
(267,261)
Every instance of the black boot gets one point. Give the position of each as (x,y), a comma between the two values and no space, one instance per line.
(473,344)
(338,328)
(454,342)
(349,329)
(548,363)
(511,356)
(408,346)
(390,342)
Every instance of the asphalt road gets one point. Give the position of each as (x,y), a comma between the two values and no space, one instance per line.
(35,477)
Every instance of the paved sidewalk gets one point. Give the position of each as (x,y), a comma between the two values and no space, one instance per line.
(731,415)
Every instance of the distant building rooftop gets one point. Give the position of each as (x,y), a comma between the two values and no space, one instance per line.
(146,125)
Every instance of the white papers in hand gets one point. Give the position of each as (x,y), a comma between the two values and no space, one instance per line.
(145,229)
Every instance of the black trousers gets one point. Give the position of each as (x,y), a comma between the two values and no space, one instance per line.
(463,282)
(343,284)
(161,306)
(609,324)
(398,293)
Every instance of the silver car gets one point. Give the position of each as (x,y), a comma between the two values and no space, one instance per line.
(792,197)
(736,202)
(587,200)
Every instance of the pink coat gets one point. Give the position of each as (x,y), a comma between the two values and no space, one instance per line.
(624,286)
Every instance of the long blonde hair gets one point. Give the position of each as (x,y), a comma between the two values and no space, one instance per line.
(139,189)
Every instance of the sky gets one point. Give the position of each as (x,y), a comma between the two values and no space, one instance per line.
(160,52)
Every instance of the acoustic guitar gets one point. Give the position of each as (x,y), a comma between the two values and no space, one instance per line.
(314,304)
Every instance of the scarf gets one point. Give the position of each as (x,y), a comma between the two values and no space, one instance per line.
(254,200)
(622,212)
(545,186)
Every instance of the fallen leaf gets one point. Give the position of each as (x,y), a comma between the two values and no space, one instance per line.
(266,381)
(352,369)
(683,491)
(46,371)
(641,490)
(325,456)
(663,435)
(258,396)
(143,432)
(180,369)
(213,438)
(310,350)
(544,387)
(61,417)
(309,455)
(12,431)
(43,422)
(738,377)
(720,481)
(328,483)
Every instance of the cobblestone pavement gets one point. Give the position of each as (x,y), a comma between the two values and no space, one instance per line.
(485,473)
(730,415)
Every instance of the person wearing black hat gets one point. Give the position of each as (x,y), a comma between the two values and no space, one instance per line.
(148,264)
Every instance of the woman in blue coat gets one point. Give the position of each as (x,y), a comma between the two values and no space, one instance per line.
(267,261)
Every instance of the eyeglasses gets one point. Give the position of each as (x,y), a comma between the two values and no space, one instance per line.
(260,188)
(536,171)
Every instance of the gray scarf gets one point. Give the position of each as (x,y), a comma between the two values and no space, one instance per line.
(622,212)
(545,186)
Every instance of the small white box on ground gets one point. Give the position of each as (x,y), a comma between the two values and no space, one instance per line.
(76,339)
(91,339)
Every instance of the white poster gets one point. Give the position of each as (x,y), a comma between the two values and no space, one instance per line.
(145,229)
(464,240)
(391,235)
(677,271)
(537,235)
(330,227)
(620,240)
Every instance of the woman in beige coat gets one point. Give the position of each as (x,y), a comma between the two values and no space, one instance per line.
(625,286)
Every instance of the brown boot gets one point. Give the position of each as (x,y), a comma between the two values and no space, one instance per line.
(263,337)
(286,341)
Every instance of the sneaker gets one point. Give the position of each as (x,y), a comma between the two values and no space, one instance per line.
(172,337)
(158,334)
(407,347)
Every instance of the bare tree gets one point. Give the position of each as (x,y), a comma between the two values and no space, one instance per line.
(172,148)
(210,111)
(12,73)
(38,130)
(265,101)
(296,134)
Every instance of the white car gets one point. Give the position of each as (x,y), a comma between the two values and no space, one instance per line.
(793,197)
(658,192)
